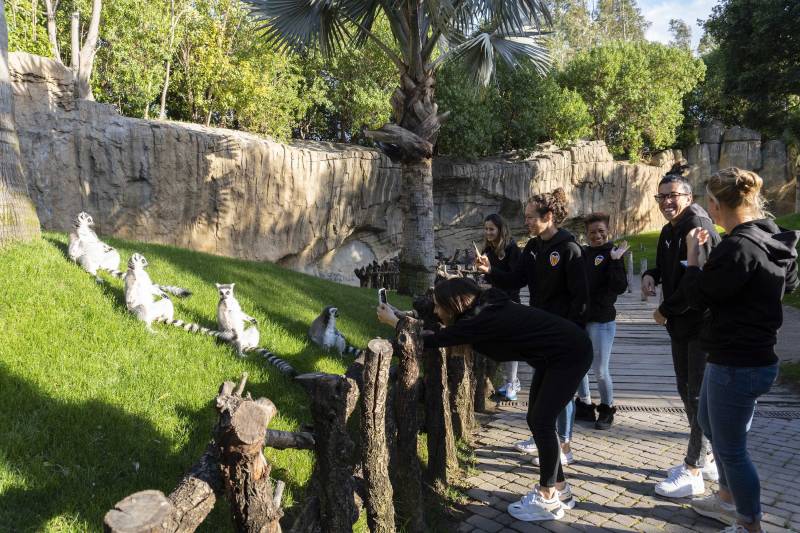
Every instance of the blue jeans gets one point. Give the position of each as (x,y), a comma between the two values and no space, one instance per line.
(602,336)
(565,421)
(727,402)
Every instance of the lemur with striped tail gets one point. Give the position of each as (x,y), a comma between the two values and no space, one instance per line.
(323,333)
(92,254)
(232,319)
(140,291)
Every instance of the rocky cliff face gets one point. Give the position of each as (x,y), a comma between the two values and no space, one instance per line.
(318,207)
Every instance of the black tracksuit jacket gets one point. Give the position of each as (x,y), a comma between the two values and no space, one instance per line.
(682,321)
(508,331)
(506,264)
(607,280)
(555,273)
(742,285)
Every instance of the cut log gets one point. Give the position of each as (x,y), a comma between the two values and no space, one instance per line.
(148,511)
(462,391)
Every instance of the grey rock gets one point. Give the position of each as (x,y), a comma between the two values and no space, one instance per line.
(738,133)
(742,154)
(712,134)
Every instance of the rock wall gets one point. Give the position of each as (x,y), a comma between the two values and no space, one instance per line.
(722,147)
(318,207)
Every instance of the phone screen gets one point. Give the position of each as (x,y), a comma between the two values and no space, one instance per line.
(382,296)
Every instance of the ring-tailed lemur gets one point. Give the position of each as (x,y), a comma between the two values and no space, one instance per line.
(140,291)
(86,249)
(231,318)
(323,333)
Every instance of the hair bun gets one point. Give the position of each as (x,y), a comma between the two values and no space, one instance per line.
(747,182)
(560,195)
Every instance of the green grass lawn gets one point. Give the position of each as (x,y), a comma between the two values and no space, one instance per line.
(94,407)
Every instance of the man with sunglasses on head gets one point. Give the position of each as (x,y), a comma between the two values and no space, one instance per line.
(683,325)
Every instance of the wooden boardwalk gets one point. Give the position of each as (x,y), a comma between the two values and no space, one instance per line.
(641,361)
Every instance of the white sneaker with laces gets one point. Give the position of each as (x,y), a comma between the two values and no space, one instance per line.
(681,484)
(533,507)
(565,495)
(713,507)
(710,472)
(566,459)
(526,446)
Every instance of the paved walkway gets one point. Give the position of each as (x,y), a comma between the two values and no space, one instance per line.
(616,470)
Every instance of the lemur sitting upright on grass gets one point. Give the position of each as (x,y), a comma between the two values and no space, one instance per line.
(86,249)
(140,291)
(232,319)
(323,333)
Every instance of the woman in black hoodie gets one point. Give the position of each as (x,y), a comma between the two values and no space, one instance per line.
(503,253)
(552,267)
(741,284)
(559,350)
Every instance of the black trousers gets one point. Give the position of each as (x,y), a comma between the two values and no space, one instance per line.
(689,360)
(553,387)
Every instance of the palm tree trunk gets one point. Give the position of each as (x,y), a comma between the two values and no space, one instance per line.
(417,270)
(18,219)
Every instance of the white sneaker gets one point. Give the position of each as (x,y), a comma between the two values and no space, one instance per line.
(526,446)
(567,500)
(709,471)
(713,507)
(566,459)
(533,507)
(681,484)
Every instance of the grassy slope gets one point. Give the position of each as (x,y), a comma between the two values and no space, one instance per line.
(94,408)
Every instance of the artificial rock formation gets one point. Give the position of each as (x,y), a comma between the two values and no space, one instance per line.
(321,208)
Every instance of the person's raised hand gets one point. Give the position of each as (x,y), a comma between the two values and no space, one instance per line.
(648,286)
(619,250)
(482,264)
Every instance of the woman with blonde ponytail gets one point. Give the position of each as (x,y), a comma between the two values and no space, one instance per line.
(741,284)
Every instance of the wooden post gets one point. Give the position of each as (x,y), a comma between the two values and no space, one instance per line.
(330,396)
(462,391)
(629,270)
(408,476)
(233,465)
(374,453)
(438,423)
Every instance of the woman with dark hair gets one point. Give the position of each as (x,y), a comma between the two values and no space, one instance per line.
(552,267)
(742,284)
(559,350)
(503,253)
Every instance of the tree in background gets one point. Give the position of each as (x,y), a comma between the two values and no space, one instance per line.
(681,34)
(634,91)
(18,219)
(756,65)
(619,20)
(478,32)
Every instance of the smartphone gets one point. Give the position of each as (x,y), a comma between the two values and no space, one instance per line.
(382,297)
(477,251)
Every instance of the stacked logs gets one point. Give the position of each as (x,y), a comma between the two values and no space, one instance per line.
(379,275)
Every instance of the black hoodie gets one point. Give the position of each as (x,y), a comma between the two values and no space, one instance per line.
(682,321)
(508,331)
(742,284)
(555,273)
(506,264)
(607,280)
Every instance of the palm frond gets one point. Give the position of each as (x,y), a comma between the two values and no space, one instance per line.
(301,24)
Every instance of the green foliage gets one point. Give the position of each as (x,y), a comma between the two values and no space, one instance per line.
(756,65)
(681,34)
(634,92)
(518,111)
(95,408)
(26,30)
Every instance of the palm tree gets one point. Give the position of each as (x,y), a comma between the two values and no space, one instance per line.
(426,33)
(18,220)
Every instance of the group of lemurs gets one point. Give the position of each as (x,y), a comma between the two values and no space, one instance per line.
(150,302)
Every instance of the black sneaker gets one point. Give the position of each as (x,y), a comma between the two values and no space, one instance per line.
(605,416)
(584,411)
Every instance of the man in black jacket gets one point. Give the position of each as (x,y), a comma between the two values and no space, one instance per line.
(684,326)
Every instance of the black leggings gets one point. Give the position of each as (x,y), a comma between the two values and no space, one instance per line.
(554,385)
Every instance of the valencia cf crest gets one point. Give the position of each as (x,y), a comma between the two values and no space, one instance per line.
(555,257)
(598,259)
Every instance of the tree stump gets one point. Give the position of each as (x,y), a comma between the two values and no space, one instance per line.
(333,471)
(375,456)
(462,391)
(484,370)
(407,475)
(148,511)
